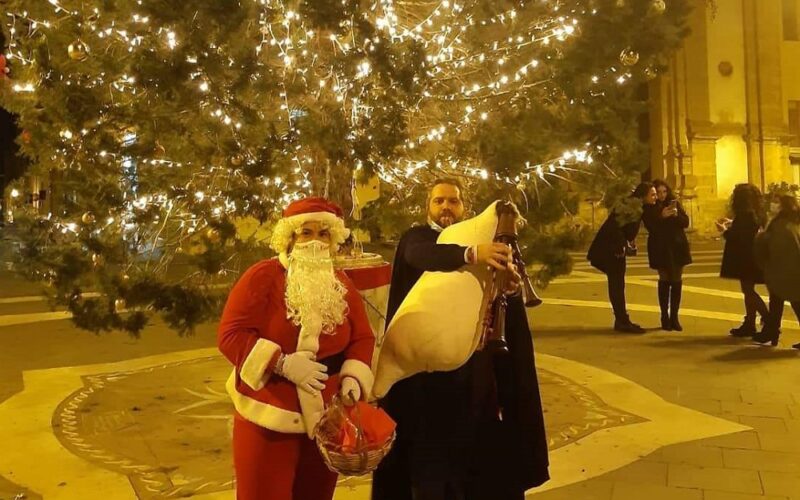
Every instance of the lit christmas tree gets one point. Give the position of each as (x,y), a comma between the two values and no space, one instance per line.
(173,132)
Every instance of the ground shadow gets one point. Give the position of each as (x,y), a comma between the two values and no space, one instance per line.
(757,353)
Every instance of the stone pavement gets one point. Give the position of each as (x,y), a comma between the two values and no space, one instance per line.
(695,415)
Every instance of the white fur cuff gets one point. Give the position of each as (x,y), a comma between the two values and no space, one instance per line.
(254,369)
(361,372)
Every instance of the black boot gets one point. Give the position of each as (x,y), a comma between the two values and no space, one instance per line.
(748,328)
(769,335)
(663,302)
(625,325)
(676,291)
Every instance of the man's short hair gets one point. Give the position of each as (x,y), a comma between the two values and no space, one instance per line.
(452,181)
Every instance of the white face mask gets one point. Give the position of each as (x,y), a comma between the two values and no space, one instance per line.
(312,250)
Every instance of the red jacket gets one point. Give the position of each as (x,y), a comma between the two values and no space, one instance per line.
(253,332)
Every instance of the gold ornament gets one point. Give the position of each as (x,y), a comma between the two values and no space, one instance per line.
(78,51)
(213,235)
(657,7)
(128,136)
(629,57)
(237,160)
(119,305)
(650,73)
(88,218)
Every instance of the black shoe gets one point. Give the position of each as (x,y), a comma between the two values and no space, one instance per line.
(628,327)
(666,324)
(676,325)
(747,329)
(767,336)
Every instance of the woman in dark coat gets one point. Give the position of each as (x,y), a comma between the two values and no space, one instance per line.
(614,241)
(738,258)
(778,254)
(667,251)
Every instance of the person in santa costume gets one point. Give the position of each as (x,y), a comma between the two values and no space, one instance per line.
(296,332)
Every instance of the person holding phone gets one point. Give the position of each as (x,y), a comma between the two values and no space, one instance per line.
(668,251)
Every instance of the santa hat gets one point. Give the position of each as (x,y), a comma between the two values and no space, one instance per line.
(299,212)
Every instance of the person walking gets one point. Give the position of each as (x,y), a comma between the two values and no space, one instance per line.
(615,240)
(738,258)
(668,251)
(778,254)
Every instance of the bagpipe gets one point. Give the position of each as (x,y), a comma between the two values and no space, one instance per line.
(447,316)
(495,300)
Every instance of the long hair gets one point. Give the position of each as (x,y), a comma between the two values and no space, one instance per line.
(670,193)
(747,198)
(790,208)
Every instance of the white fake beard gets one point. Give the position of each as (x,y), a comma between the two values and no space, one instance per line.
(315,298)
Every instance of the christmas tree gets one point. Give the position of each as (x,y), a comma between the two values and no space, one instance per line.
(174,132)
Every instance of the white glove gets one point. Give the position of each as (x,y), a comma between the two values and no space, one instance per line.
(307,374)
(350,390)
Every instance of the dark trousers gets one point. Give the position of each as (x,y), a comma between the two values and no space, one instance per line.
(616,290)
(776,311)
(753,303)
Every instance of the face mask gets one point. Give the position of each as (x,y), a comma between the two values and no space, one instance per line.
(313,249)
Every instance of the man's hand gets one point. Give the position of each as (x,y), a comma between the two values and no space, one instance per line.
(496,255)
(514,280)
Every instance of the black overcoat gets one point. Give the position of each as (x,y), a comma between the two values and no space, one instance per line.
(667,244)
(447,421)
(607,252)
(738,258)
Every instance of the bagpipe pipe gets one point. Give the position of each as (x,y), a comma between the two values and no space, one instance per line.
(447,316)
(495,300)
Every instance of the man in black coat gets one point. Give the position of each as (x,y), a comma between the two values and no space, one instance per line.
(451,442)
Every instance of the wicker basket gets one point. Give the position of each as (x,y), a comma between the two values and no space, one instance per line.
(363,460)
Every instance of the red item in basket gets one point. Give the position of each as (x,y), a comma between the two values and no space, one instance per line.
(375,423)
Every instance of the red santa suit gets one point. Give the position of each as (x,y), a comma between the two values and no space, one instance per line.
(274,455)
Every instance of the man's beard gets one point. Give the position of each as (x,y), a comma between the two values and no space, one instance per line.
(446,218)
(315,298)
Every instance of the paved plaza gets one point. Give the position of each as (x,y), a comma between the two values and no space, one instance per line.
(692,415)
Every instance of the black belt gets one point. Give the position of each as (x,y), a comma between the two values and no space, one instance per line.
(333,363)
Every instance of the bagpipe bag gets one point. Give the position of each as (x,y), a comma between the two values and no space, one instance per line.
(437,327)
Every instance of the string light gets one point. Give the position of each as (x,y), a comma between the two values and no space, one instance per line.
(463,81)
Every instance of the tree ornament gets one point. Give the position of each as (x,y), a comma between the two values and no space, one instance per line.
(237,160)
(97,259)
(657,7)
(650,73)
(629,57)
(26,137)
(213,235)
(3,67)
(78,51)
(159,152)
(127,136)
(119,305)
(88,218)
